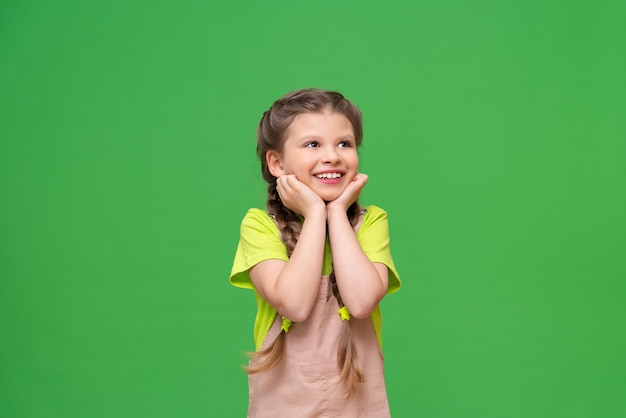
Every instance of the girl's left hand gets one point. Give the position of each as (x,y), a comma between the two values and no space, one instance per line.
(350,193)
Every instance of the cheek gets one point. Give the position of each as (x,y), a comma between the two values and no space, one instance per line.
(355,161)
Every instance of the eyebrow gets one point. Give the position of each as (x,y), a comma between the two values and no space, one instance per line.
(317,137)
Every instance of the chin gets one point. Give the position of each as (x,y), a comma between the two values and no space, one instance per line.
(329,198)
(329,195)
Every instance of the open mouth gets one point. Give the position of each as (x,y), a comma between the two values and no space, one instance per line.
(328,176)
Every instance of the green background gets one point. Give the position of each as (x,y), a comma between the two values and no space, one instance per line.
(495,137)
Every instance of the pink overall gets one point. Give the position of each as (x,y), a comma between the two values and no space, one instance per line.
(306,382)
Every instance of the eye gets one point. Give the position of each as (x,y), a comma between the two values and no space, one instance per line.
(345,144)
(311,144)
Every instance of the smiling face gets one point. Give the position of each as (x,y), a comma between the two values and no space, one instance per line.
(320,149)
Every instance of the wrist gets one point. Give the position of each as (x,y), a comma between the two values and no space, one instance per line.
(316,211)
(334,212)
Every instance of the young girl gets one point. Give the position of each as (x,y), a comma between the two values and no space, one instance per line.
(319,265)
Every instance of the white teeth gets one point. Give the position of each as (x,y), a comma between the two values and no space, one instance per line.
(328,175)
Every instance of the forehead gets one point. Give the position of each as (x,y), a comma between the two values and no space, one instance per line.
(321,124)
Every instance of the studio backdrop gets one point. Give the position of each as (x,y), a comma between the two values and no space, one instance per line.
(495,138)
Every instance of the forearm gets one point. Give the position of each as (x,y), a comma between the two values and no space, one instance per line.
(360,283)
(297,284)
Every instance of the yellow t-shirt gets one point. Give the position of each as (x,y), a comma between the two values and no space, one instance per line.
(260,241)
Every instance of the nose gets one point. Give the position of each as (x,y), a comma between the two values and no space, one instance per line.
(331,156)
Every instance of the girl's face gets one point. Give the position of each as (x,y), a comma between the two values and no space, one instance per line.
(320,149)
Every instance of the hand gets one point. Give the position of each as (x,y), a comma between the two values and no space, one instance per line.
(297,196)
(350,194)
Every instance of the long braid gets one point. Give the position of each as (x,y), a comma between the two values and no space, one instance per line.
(289,227)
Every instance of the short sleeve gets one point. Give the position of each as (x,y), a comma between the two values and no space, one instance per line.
(374,239)
(258,241)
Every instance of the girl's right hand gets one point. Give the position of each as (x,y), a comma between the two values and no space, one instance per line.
(297,196)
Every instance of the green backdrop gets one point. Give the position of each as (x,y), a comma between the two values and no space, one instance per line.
(495,137)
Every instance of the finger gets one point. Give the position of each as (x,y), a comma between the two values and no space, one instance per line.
(281,187)
(284,182)
(361,177)
(290,180)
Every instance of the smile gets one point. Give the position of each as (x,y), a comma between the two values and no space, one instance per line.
(328,175)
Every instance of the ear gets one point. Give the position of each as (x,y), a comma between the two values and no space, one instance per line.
(274,163)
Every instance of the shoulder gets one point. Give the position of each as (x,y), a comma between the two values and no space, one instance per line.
(255,213)
(258,218)
(373,211)
(374,239)
(374,224)
(258,226)
(373,214)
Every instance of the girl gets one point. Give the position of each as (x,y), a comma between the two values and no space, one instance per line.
(319,265)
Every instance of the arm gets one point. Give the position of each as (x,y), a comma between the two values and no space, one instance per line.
(362,284)
(291,287)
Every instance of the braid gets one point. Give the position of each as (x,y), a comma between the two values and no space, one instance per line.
(289,227)
(268,357)
(288,222)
